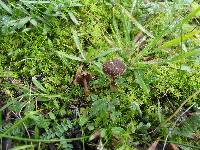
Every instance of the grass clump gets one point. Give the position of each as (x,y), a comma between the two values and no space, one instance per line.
(45,43)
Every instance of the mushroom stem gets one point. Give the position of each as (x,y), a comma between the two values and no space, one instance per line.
(86,90)
(113,84)
(113,80)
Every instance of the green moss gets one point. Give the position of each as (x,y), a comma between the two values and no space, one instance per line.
(147,93)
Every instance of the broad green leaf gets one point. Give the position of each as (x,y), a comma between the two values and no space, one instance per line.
(123,147)
(38,84)
(4,6)
(78,44)
(179,39)
(117,130)
(135,106)
(83,120)
(186,68)
(103,132)
(52,116)
(56,104)
(139,79)
(22,22)
(95,135)
(194,6)
(36,133)
(33,22)
(23,147)
(73,18)
(7,74)
(63,56)
(26,29)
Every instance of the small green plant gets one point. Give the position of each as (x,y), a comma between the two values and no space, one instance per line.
(23,15)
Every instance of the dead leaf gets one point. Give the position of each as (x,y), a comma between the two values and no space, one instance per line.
(154,145)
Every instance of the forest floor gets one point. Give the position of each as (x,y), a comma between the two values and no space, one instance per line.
(56,82)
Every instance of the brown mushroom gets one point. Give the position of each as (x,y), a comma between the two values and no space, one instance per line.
(83,79)
(114,68)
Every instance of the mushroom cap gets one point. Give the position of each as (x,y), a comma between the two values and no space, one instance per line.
(84,75)
(114,67)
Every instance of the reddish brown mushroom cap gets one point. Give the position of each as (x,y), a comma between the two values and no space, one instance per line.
(114,67)
(83,79)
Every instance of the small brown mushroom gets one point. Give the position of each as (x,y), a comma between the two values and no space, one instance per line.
(83,79)
(114,68)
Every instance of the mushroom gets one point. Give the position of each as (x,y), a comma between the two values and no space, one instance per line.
(83,79)
(114,68)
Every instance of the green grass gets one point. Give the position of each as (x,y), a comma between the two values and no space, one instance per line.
(44,43)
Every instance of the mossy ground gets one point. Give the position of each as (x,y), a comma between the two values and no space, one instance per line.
(157,41)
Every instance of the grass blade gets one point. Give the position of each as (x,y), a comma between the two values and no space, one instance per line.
(38,84)
(188,17)
(63,56)
(139,79)
(78,44)
(168,30)
(184,55)
(43,140)
(117,35)
(105,53)
(137,24)
(126,28)
(4,6)
(47,96)
(179,39)
(73,18)
(23,147)
(36,2)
